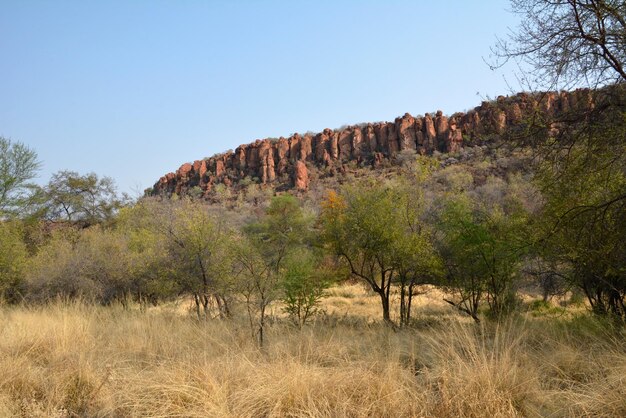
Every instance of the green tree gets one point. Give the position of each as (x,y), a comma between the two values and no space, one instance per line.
(13,257)
(303,283)
(149,258)
(18,166)
(90,263)
(200,246)
(362,226)
(197,245)
(86,199)
(584,230)
(176,247)
(417,263)
(262,253)
(483,251)
(416,260)
(582,151)
(257,282)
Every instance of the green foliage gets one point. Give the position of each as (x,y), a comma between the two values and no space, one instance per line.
(377,231)
(13,257)
(257,281)
(584,223)
(262,252)
(18,166)
(150,262)
(582,150)
(303,285)
(178,246)
(87,199)
(540,307)
(91,263)
(483,249)
(283,227)
(195,192)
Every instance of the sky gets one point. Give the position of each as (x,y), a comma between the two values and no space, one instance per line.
(133,89)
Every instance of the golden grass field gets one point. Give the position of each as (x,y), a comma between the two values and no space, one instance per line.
(77,360)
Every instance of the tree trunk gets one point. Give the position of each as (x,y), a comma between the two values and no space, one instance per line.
(261,326)
(205,305)
(408,304)
(403,307)
(197,300)
(384,299)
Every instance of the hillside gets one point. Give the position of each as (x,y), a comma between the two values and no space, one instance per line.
(286,163)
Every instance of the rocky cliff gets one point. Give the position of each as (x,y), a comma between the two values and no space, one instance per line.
(285,160)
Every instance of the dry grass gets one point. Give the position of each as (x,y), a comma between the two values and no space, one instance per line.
(71,359)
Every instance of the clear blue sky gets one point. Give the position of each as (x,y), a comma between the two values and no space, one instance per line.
(133,89)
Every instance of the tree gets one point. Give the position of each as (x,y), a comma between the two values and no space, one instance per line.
(417,263)
(13,257)
(149,259)
(200,248)
(18,165)
(87,199)
(584,230)
(362,226)
(103,258)
(303,283)
(581,152)
(483,250)
(257,282)
(90,263)
(568,42)
(261,256)
(195,257)
(416,259)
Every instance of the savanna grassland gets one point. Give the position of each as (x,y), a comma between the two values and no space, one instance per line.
(71,359)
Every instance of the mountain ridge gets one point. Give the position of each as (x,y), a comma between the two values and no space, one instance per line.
(287,161)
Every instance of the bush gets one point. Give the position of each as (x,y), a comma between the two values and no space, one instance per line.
(303,286)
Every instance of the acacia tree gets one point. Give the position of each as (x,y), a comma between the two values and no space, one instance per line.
(90,263)
(257,282)
(198,246)
(483,252)
(261,256)
(303,282)
(417,262)
(87,199)
(18,166)
(567,42)
(584,231)
(362,226)
(149,258)
(13,258)
(582,163)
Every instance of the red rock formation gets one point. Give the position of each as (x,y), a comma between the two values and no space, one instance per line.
(405,126)
(266,157)
(430,135)
(219,168)
(441,127)
(282,152)
(301,176)
(274,160)
(344,142)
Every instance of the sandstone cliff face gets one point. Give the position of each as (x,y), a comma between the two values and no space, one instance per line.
(286,159)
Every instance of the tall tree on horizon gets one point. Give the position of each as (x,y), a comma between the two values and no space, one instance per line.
(18,166)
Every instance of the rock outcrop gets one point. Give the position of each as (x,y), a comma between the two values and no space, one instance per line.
(301,176)
(285,160)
